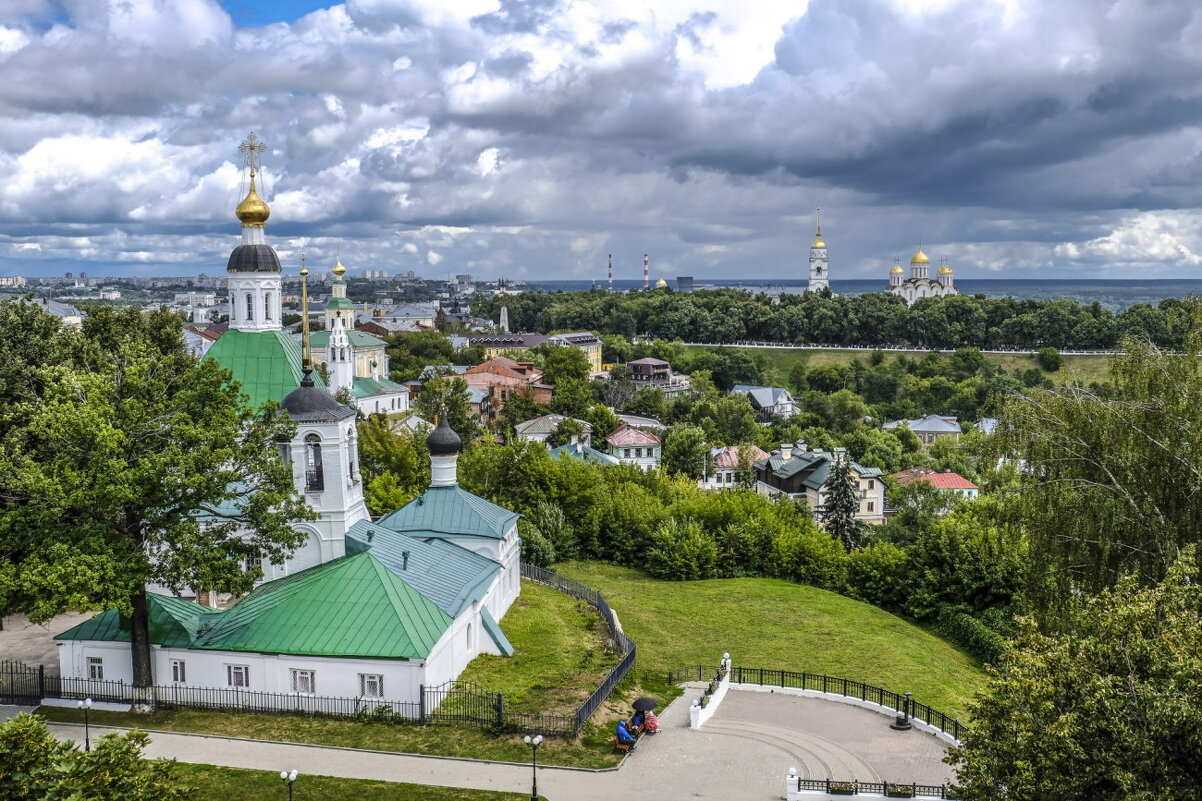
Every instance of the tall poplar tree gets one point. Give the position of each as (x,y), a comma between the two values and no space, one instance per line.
(137,465)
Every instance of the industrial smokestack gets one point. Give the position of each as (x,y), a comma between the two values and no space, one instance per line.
(611,272)
(646,273)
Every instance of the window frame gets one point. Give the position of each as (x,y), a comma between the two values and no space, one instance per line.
(242,671)
(367,678)
(179,671)
(96,668)
(303,676)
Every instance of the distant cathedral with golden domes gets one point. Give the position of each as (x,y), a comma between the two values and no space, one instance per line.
(920,283)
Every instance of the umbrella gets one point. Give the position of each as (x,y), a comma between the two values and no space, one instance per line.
(644,705)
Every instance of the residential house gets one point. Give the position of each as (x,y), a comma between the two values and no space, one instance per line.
(539,428)
(499,344)
(769,402)
(649,372)
(929,428)
(578,450)
(587,342)
(797,472)
(726,463)
(630,445)
(952,483)
(502,377)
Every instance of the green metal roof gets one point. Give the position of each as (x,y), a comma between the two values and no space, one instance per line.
(450,576)
(367,387)
(494,631)
(358,339)
(354,606)
(450,511)
(266,363)
(173,623)
(339,303)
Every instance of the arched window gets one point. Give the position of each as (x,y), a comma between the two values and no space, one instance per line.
(342,354)
(267,306)
(469,636)
(351,455)
(315,479)
(250,306)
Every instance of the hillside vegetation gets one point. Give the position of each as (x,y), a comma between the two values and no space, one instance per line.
(777,624)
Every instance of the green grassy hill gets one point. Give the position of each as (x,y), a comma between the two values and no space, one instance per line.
(1085,369)
(777,624)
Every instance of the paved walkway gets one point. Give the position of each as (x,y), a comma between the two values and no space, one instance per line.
(742,754)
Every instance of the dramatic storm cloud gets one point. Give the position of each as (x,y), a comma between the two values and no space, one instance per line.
(530,138)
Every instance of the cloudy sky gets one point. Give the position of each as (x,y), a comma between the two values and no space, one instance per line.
(530,138)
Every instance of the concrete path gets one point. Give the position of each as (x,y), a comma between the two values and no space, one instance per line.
(742,754)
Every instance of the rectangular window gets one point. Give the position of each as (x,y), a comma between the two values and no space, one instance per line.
(371,685)
(237,675)
(871,506)
(871,483)
(95,668)
(304,681)
(177,671)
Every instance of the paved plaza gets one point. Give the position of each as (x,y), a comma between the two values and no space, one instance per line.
(742,754)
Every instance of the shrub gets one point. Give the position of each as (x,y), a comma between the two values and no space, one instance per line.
(970,634)
(1049,359)
(877,574)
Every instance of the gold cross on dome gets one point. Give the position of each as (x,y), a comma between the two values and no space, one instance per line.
(250,148)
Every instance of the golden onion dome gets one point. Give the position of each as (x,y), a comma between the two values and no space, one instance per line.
(944,270)
(897,269)
(920,258)
(338,270)
(253,210)
(818,243)
(661,283)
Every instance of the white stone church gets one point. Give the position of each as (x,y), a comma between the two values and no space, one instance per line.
(920,284)
(367,610)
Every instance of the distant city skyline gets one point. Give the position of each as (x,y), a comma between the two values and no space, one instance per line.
(1019,139)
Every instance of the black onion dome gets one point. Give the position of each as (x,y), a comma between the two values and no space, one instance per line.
(253,259)
(310,403)
(443,441)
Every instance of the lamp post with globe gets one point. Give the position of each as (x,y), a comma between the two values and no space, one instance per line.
(534,743)
(288,777)
(85,705)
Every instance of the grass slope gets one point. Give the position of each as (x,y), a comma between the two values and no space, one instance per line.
(780,361)
(777,624)
(211,783)
(559,653)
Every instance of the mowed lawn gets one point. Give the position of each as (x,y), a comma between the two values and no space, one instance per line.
(559,658)
(210,783)
(1083,369)
(777,624)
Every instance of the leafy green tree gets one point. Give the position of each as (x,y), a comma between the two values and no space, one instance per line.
(564,432)
(395,465)
(685,451)
(604,421)
(562,363)
(136,465)
(1108,710)
(519,407)
(1049,359)
(842,506)
(451,392)
(410,353)
(36,766)
(32,339)
(572,397)
(1110,481)
(647,402)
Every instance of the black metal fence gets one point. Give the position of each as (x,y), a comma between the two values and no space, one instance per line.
(827,684)
(451,703)
(627,645)
(889,789)
(21,684)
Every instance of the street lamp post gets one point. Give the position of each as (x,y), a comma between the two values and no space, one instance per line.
(534,743)
(85,705)
(288,777)
(902,721)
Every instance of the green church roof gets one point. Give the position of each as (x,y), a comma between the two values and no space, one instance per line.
(450,576)
(339,303)
(358,339)
(450,511)
(354,607)
(173,623)
(266,363)
(367,387)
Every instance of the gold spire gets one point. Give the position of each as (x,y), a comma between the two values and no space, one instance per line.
(252,211)
(338,268)
(306,350)
(818,243)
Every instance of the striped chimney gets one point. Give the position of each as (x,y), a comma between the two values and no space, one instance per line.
(611,272)
(646,273)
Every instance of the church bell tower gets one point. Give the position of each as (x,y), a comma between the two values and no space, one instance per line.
(819,266)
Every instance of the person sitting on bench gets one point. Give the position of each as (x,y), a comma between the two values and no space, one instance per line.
(624,735)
